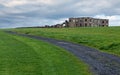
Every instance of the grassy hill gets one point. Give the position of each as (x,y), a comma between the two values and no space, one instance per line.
(106,39)
(25,56)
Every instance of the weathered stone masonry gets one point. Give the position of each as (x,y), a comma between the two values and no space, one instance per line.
(86,22)
(81,22)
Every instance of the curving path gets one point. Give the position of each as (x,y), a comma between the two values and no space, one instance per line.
(100,63)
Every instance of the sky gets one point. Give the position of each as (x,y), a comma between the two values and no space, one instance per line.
(24,13)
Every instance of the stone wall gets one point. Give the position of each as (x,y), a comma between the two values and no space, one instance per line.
(87,22)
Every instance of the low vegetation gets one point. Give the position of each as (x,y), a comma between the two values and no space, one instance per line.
(25,56)
(106,39)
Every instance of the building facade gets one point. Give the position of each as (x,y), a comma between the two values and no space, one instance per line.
(86,22)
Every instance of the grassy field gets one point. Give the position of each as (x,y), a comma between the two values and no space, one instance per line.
(25,56)
(106,39)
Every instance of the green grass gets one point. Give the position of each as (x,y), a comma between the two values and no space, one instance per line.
(25,56)
(106,39)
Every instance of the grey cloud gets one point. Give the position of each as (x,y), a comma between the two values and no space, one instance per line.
(37,12)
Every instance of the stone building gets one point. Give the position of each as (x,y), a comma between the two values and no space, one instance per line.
(86,22)
(58,26)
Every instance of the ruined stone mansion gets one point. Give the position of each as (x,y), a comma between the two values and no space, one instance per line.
(83,22)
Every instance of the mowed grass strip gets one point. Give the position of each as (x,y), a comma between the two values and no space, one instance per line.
(106,39)
(25,56)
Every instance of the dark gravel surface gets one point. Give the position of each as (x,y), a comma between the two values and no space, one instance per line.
(100,63)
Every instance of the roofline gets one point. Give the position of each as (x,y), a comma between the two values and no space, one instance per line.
(87,17)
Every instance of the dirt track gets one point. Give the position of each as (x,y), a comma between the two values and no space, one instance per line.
(100,63)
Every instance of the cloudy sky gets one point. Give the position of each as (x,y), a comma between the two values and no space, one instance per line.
(19,13)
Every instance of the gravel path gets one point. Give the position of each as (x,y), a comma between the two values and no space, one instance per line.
(100,63)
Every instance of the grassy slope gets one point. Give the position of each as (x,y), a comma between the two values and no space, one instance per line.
(25,56)
(105,39)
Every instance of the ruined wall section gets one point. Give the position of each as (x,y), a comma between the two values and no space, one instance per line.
(87,22)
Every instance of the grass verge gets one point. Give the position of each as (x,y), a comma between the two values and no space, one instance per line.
(25,56)
(106,39)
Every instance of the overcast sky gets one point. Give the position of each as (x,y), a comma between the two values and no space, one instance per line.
(18,13)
